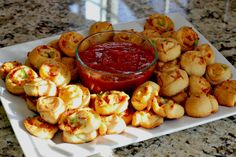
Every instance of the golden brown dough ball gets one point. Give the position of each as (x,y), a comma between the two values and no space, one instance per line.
(167,66)
(130,36)
(127,115)
(6,67)
(169,34)
(150,34)
(180,98)
(198,85)
(72,66)
(85,96)
(55,44)
(31,103)
(79,138)
(207,53)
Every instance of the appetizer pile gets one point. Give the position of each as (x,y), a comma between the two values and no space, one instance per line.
(187,81)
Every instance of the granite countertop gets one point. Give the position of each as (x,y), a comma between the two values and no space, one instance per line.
(27,20)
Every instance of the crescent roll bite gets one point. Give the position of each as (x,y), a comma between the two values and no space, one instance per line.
(6,67)
(41,54)
(68,43)
(217,73)
(78,138)
(193,63)
(39,128)
(198,85)
(17,78)
(207,53)
(56,72)
(71,65)
(50,108)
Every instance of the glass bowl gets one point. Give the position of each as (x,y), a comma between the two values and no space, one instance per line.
(97,79)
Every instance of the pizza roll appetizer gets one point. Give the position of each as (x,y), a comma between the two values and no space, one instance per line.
(7,67)
(180,98)
(111,102)
(71,95)
(193,63)
(31,103)
(187,38)
(41,54)
(198,85)
(143,95)
(17,78)
(201,105)
(146,119)
(150,34)
(55,44)
(127,115)
(172,82)
(169,34)
(39,128)
(85,96)
(125,36)
(39,87)
(207,53)
(167,66)
(159,22)
(56,72)
(217,73)
(112,124)
(72,66)
(70,137)
(50,108)
(225,93)
(68,43)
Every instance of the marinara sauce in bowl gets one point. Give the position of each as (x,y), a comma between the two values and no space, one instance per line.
(115,60)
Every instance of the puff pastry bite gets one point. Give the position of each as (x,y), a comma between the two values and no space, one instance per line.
(201,105)
(112,124)
(50,108)
(39,128)
(39,87)
(56,72)
(167,66)
(150,34)
(225,93)
(72,66)
(41,54)
(71,95)
(207,53)
(17,78)
(187,38)
(31,103)
(193,63)
(111,102)
(143,95)
(125,36)
(168,49)
(159,22)
(172,82)
(146,119)
(79,138)
(217,73)
(68,43)
(198,85)
(6,67)
(85,96)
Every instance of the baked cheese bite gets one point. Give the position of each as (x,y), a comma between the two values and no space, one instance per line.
(72,66)
(71,95)
(17,78)
(125,36)
(167,66)
(193,63)
(159,22)
(79,138)
(146,119)
(198,85)
(56,72)
(41,54)
(39,128)
(31,103)
(150,34)
(143,95)
(6,67)
(50,108)
(39,87)
(225,93)
(217,73)
(187,38)
(111,102)
(69,41)
(207,53)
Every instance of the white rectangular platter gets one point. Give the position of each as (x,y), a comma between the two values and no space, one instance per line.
(17,111)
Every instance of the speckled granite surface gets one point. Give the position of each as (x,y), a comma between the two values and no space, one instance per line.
(26,20)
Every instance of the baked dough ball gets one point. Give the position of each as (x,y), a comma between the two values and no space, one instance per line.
(168,49)
(193,63)
(50,108)
(201,105)
(143,95)
(172,82)
(127,115)
(31,103)
(6,67)
(146,119)
(56,72)
(167,66)
(187,38)
(85,96)
(39,87)
(71,95)
(159,22)
(17,78)
(55,44)
(111,102)
(68,43)
(112,124)
(217,73)
(198,85)
(79,138)
(150,34)
(72,66)
(129,36)
(39,128)
(169,34)
(41,54)
(207,53)
(225,93)
(180,98)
